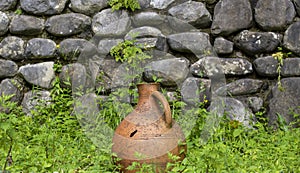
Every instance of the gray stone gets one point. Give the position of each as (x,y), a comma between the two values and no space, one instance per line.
(285,103)
(88,7)
(109,75)
(266,66)
(195,90)
(195,13)
(231,16)
(12,48)
(257,42)
(148,18)
(105,45)
(160,4)
(243,87)
(223,46)
(236,110)
(147,37)
(111,23)
(172,72)
(26,25)
(291,67)
(274,15)
(255,104)
(43,7)
(73,76)
(40,48)
(291,39)
(191,42)
(33,99)
(70,48)
(144,3)
(144,31)
(7,4)
(41,74)
(297,6)
(12,87)
(68,24)
(8,68)
(213,66)
(4,23)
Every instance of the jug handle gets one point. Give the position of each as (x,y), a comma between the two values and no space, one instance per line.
(168,114)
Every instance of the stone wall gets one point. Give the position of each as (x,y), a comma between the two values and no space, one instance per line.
(194,45)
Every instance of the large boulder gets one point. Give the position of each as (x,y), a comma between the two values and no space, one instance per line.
(231,16)
(12,48)
(284,104)
(88,7)
(197,43)
(257,42)
(43,7)
(291,39)
(195,13)
(172,72)
(7,68)
(41,74)
(4,23)
(68,24)
(26,25)
(274,15)
(40,48)
(7,4)
(111,23)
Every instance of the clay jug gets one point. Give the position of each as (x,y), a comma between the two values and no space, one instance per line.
(148,133)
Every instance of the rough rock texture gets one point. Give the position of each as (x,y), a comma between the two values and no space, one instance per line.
(291,67)
(105,45)
(243,87)
(257,42)
(195,13)
(26,25)
(285,103)
(274,15)
(12,87)
(4,23)
(73,76)
(40,48)
(160,4)
(191,42)
(210,66)
(235,110)
(110,23)
(68,24)
(266,66)
(70,48)
(43,7)
(148,19)
(291,39)
(41,74)
(195,90)
(8,68)
(223,46)
(7,4)
(231,16)
(88,7)
(171,71)
(12,48)
(32,99)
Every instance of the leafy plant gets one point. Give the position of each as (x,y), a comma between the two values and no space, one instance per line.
(279,56)
(127,4)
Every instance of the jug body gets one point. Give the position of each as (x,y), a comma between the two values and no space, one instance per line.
(148,134)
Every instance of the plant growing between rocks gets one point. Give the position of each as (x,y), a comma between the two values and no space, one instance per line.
(127,4)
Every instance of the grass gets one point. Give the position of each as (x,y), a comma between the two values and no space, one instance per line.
(52,140)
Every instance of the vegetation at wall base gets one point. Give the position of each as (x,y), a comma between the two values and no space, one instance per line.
(51,140)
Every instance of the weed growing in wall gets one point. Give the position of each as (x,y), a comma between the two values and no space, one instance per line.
(127,4)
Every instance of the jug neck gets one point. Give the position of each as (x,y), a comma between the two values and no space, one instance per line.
(145,90)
